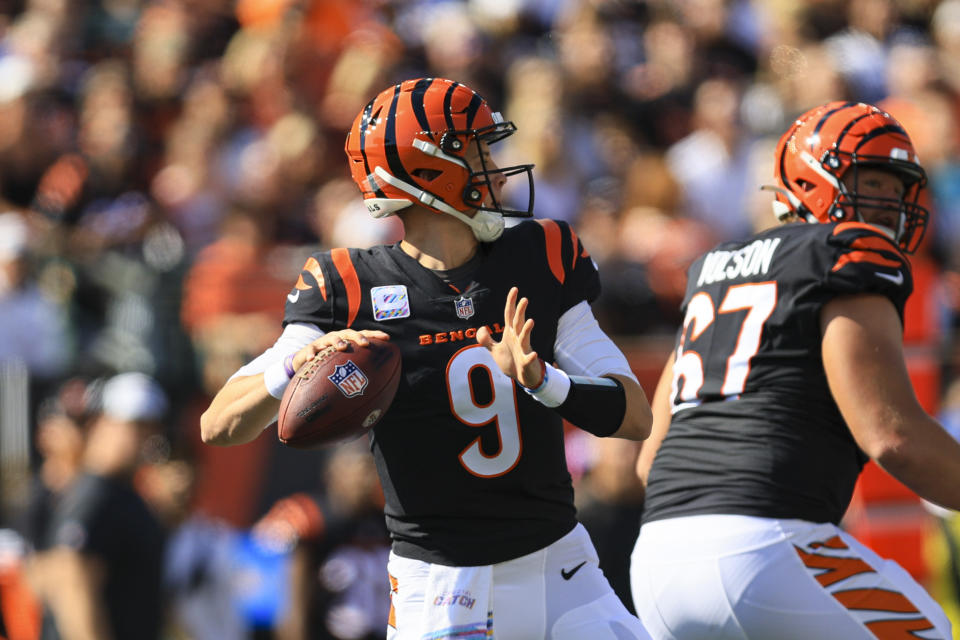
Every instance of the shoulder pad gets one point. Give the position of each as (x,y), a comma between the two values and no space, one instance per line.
(866,260)
(864,243)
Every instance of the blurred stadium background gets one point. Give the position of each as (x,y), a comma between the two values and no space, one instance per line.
(167,165)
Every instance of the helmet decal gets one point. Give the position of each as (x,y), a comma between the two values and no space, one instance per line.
(365,117)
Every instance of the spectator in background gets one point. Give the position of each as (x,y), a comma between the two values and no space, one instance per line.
(201,581)
(184,183)
(536,86)
(107,136)
(860,50)
(62,422)
(200,577)
(230,310)
(660,84)
(339,545)
(804,75)
(945,29)
(100,576)
(33,326)
(232,278)
(647,248)
(710,162)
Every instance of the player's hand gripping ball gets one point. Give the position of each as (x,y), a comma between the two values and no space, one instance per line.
(339,395)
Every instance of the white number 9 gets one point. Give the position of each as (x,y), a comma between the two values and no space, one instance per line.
(502,410)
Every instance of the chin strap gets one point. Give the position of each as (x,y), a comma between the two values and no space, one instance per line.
(487,226)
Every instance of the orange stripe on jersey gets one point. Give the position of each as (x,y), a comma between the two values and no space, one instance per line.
(833,543)
(875,600)
(836,569)
(867,246)
(392,617)
(898,629)
(575,240)
(554,248)
(876,243)
(865,256)
(351,282)
(313,268)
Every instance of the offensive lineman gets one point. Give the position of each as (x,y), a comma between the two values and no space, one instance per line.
(788,374)
(479,502)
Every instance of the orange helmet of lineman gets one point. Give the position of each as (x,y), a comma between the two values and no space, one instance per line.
(409,145)
(816,154)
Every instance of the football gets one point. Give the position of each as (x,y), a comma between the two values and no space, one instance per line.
(339,395)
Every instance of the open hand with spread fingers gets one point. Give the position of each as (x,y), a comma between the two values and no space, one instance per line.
(513,353)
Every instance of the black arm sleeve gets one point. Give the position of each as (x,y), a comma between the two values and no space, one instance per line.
(596,405)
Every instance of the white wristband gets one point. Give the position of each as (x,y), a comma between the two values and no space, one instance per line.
(275,379)
(554,388)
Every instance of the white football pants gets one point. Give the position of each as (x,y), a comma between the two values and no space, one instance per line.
(531,599)
(744,578)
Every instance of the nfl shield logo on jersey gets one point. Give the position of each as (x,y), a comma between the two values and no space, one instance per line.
(464,307)
(349,379)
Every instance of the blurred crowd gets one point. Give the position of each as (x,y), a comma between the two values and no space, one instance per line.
(167,165)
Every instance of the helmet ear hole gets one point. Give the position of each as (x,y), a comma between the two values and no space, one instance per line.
(427,175)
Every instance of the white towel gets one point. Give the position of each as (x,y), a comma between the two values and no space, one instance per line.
(456,605)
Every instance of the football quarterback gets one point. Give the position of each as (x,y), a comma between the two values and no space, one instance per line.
(479,502)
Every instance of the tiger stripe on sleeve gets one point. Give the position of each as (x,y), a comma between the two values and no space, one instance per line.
(554,244)
(868,244)
(312,267)
(561,240)
(579,251)
(351,282)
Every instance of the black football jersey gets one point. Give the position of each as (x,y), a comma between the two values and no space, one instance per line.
(755,430)
(473,468)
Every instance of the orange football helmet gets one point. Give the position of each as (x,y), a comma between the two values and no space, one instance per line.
(409,144)
(827,142)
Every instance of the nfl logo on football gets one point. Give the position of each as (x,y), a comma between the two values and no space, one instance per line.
(349,379)
(464,307)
